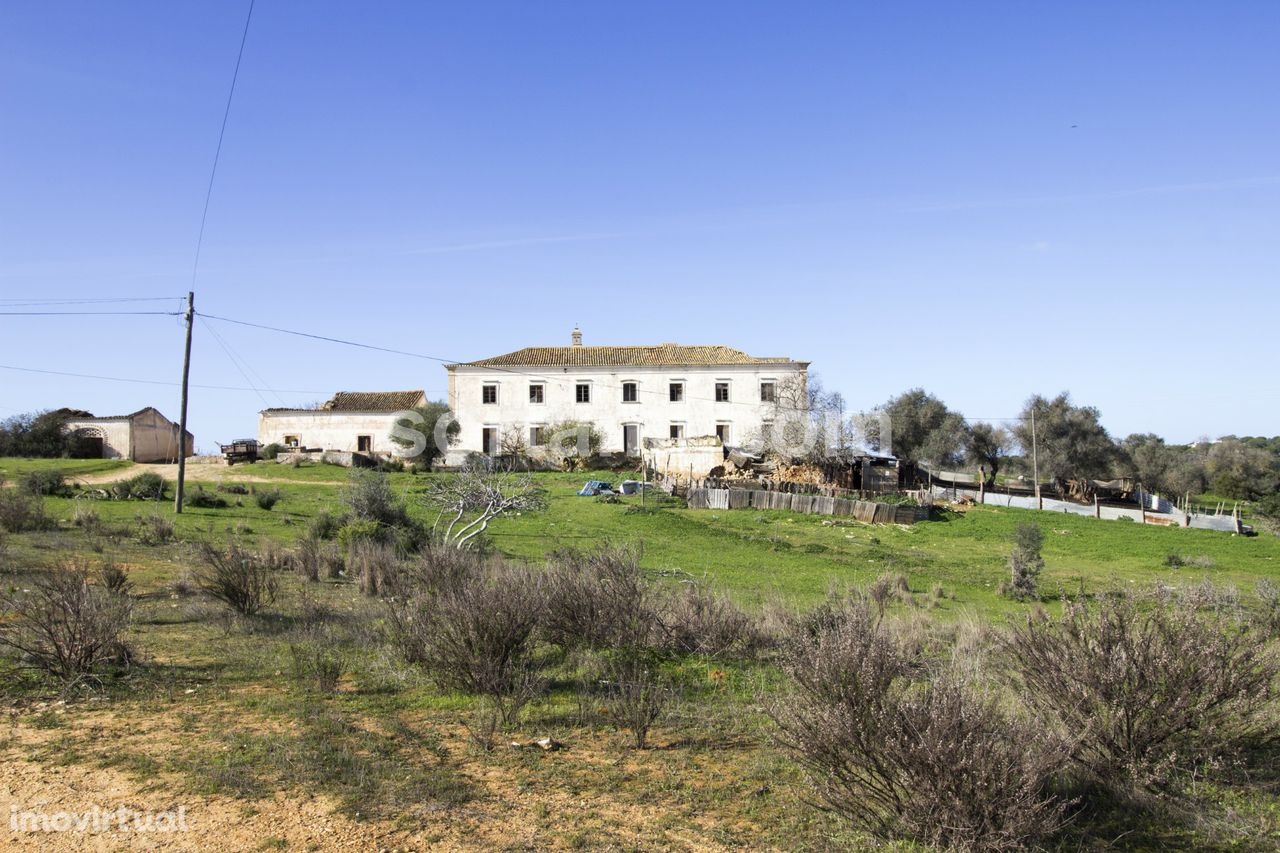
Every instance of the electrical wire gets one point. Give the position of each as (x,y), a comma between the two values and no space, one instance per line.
(234,360)
(217,154)
(155,381)
(90,313)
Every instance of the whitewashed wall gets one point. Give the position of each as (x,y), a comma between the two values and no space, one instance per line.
(115,432)
(653,411)
(328,430)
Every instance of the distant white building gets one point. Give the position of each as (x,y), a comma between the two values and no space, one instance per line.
(628,392)
(143,436)
(352,421)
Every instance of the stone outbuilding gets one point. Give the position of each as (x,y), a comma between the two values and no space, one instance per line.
(143,436)
(350,422)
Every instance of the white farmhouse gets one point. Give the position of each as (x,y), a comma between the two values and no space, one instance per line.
(143,436)
(629,392)
(352,421)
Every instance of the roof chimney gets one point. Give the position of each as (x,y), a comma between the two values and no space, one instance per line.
(577,335)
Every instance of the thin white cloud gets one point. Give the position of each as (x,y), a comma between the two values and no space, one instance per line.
(1104,195)
(511,244)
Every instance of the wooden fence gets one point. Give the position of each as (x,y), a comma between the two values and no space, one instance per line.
(816,504)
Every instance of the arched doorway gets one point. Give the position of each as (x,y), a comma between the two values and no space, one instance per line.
(89,443)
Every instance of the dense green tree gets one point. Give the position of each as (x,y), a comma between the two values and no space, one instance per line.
(1240,470)
(39,434)
(1070,440)
(986,446)
(922,429)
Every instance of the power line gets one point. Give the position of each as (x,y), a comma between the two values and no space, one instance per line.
(235,361)
(217,154)
(27,301)
(154,381)
(90,313)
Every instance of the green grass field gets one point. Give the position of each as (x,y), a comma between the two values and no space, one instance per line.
(758,555)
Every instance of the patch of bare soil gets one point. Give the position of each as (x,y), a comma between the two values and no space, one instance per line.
(67,769)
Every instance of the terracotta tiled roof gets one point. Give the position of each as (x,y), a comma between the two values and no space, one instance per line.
(364,401)
(672,355)
(373,401)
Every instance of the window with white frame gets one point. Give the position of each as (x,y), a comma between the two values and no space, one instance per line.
(675,391)
(723,432)
(583,392)
(629,392)
(537,393)
(768,391)
(722,392)
(489,394)
(537,436)
(677,431)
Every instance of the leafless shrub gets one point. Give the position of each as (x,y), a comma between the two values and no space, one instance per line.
(467,502)
(930,761)
(86,518)
(1269,598)
(1144,692)
(600,600)
(476,634)
(65,626)
(483,728)
(154,529)
(277,558)
(698,621)
(307,560)
(114,578)
(634,694)
(237,577)
(318,662)
(21,512)
(373,564)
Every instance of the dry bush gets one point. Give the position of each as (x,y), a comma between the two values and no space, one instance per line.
(1269,598)
(373,565)
(600,600)
(65,626)
(476,634)
(314,558)
(436,567)
(927,760)
(1146,691)
(154,529)
(21,512)
(237,577)
(86,518)
(696,620)
(113,578)
(634,693)
(318,662)
(307,560)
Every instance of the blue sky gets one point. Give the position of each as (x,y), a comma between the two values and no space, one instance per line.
(984,199)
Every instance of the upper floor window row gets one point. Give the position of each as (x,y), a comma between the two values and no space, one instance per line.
(630,392)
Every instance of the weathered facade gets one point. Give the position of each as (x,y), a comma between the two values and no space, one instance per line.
(352,421)
(143,436)
(629,393)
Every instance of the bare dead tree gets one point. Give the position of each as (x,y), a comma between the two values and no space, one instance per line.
(471,499)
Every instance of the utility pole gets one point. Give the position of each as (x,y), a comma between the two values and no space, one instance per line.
(1035,459)
(182,414)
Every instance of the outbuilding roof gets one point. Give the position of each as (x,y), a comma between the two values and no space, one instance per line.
(366,401)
